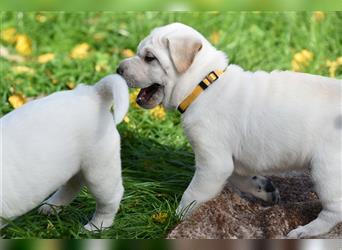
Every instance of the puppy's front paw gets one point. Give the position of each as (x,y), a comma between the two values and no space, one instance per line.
(184,210)
(94,228)
(49,209)
(96,225)
(91,228)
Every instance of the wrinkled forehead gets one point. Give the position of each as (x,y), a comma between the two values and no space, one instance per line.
(157,37)
(146,42)
(152,40)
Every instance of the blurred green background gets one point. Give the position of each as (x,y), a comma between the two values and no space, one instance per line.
(43,52)
(189,5)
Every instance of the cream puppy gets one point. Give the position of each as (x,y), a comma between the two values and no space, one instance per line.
(244,123)
(65,140)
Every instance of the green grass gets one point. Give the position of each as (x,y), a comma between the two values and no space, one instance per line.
(157,159)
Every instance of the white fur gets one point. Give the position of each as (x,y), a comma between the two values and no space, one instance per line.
(250,123)
(67,138)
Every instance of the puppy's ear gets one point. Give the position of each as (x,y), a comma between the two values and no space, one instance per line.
(183,50)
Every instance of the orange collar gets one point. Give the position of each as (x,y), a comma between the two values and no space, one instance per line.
(205,83)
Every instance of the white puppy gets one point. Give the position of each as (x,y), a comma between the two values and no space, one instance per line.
(244,123)
(67,138)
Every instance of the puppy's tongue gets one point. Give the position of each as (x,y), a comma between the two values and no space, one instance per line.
(145,94)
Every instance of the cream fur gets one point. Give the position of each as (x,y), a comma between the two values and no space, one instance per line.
(65,140)
(250,123)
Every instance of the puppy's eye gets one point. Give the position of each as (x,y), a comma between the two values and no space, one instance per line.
(149,58)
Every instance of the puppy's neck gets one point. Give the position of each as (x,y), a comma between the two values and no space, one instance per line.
(205,62)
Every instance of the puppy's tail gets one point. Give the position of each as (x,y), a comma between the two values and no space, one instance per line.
(113,89)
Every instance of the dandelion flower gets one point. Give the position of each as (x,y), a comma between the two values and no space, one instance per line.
(295,65)
(100,36)
(126,119)
(80,51)
(133,97)
(101,66)
(158,112)
(23,45)
(41,18)
(17,100)
(307,54)
(329,63)
(333,65)
(339,60)
(159,217)
(318,16)
(301,59)
(9,35)
(70,85)
(23,70)
(127,53)
(44,58)
(215,37)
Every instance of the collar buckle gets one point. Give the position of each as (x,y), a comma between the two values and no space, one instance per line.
(212,77)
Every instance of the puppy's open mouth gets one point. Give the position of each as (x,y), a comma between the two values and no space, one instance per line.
(151,96)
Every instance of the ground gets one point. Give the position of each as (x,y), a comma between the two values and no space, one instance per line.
(46,52)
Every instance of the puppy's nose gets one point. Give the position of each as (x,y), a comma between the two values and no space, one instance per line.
(120,70)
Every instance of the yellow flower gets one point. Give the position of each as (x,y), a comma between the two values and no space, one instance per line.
(318,16)
(126,119)
(333,65)
(127,53)
(307,54)
(44,58)
(9,35)
(339,60)
(22,70)
(99,36)
(215,37)
(23,45)
(301,59)
(41,18)
(295,65)
(71,85)
(159,217)
(133,97)
(80,51)
(101,66)
(17,100)
(329,63)
(158,112)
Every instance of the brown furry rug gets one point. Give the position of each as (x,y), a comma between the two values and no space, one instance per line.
(235,215)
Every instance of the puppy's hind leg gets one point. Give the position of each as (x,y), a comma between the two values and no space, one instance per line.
(63,196)
(103,179)
(259,186)
(326,174)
